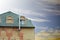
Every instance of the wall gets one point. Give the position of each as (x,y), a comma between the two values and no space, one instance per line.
(15,34)
(28,33)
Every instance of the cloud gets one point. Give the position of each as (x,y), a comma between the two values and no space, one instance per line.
(52,1)
(48,1)
(6,5)
(39,20)
(42,34)
(44,5)
(30,13)
(56,12)
(51,30)
(43,27)
(27,12)
(57,31)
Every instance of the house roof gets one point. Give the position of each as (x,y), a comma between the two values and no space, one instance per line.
(27,22)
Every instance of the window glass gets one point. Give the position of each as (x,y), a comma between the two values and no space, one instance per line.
(22,22)
(9,19)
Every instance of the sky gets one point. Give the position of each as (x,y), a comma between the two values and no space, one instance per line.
(45,14)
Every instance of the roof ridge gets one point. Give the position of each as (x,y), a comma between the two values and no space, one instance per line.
(8,12)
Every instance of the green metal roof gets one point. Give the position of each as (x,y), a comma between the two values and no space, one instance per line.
(27,22)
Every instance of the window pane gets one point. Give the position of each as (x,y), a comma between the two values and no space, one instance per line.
(9,19)
(22,22)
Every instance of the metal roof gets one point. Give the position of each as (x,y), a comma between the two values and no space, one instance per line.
(27,22)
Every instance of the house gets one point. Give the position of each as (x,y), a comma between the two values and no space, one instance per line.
(9,27)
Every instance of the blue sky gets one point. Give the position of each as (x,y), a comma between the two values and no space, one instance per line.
(45,14)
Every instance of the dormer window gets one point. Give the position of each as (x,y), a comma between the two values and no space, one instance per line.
(9,19)
(22,19)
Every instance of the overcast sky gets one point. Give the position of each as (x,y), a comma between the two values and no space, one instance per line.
(45,14)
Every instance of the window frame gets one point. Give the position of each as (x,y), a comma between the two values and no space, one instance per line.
(9,19)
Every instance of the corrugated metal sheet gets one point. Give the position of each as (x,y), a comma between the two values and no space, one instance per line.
(27,23)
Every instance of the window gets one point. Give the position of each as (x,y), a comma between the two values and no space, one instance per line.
(22,19)
(22,22)
(9,19)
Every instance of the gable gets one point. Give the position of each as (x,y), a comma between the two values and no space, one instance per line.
(7,14)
